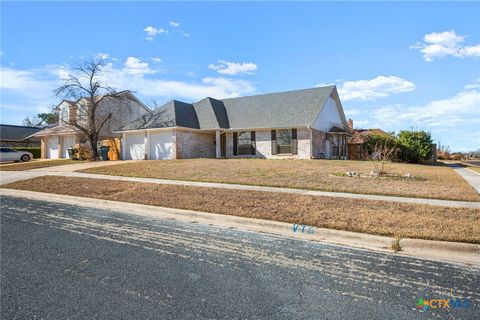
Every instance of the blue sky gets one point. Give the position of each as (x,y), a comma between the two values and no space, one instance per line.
(396,65)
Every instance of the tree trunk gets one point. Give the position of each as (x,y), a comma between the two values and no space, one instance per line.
(93,148)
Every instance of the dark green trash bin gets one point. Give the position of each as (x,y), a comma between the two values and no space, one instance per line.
(71,153)
(104,152)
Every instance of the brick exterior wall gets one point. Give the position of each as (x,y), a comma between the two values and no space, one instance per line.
(264,146)
(193,144)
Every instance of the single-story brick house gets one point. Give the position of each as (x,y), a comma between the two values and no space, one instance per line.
(18,136)
(359,136)
(301,124)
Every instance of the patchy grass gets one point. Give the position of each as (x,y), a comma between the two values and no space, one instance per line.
(437,182)
(476,169)
(35,164)
(374,217)
(472,167)
(396,245)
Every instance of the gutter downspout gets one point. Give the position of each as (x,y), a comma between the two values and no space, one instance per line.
(311,141)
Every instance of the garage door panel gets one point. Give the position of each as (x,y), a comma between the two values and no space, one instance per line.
(53,147)
(161,145)
(68,142)
(135,146)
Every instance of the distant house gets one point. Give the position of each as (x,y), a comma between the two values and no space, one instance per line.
(56,139)
(18,136)
(301,124)
(359,136)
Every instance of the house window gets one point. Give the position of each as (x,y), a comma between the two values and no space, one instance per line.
(284,141)
(82,113)
(64,115)
(244,145)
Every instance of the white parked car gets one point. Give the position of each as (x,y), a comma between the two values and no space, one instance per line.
(9,154)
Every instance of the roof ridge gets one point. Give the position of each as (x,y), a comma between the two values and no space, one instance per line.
(14,125)
(281,92)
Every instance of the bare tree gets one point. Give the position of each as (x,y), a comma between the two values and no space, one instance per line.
(32,121)
(156,117)
(94,100)
(383,153)
(41,119)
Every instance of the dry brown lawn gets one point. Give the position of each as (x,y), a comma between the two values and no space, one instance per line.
(35,164)
(438,182)
(375,217)
(476,169)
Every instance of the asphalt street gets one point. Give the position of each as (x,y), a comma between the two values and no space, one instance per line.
(67,262)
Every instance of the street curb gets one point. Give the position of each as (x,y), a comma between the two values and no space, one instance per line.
(425,249)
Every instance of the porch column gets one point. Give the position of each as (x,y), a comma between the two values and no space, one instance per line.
(218,150)
(122,147)
(60,147)
(146,140)
(43,147)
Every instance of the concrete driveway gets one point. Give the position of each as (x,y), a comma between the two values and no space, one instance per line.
(12,176)
(81,166)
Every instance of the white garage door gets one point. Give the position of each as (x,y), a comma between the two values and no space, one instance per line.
(134,146)
(68,142)
(52,147)
(161,145)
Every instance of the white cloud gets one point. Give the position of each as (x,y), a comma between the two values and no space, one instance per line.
(233,68)
(103,56)
(135,66)
(379,87)
(157,59)
(27,92)
(437,45)
(461,109)
(183,33)
(152,32)
(174,24)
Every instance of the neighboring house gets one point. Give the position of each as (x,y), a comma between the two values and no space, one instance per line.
(18,136)
(359,136)
(301,124)
(56,139)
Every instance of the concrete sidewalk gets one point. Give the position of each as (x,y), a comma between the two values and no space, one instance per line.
(470,176)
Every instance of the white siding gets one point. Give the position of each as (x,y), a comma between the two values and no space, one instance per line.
(52,147)
(134,146)
(68,142)
(328,117)
(160,145)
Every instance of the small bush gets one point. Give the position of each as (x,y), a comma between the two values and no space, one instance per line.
(387,141)
(36,151)
(83,153)
(416,146)
(396,245)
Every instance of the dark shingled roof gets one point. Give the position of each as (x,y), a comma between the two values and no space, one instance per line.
(211,114)
(10,132)
(172,114)
(297,108)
